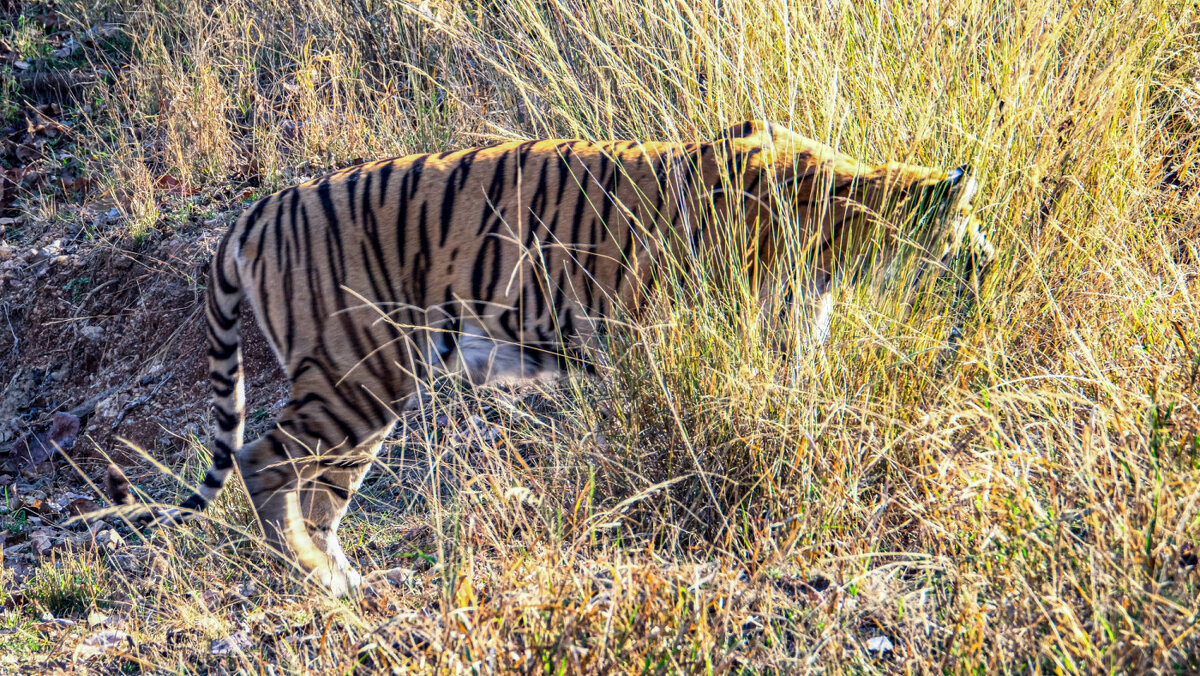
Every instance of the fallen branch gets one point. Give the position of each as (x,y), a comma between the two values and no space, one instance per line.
(88,407)
(141,400)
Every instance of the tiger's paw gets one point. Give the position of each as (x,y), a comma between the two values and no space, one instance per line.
(340,582)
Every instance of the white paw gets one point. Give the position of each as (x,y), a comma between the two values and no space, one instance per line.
(339,581)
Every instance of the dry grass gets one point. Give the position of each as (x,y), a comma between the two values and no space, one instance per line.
(709,504)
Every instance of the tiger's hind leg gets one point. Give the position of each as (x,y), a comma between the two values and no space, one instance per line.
(324,499)
(300,486)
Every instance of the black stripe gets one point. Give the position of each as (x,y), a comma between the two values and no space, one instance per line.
(564,167)
(385,177)
(420,265)
(350,184)
(333,232)
(351,437)
(523,151)
(196,503)
(454,183)
(495,193)
(251,218)
(416,170)
(308,398)
(401,226)
(223,452)
(333,487)
(223,350)
(493,242)
(581,202)
(225,420)
(278,449)
(287,268)
(216,316)
(217,270)
(220,378)
(537,203)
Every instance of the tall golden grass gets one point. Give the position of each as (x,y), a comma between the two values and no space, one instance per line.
(707,504)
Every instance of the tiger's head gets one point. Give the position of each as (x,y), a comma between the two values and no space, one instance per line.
(838,213)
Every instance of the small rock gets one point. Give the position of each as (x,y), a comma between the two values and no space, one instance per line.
(109,407)
(92,332)
(96,618)
(68,49)
(101,643)
(157,565)
(210,598)
(233,643)
(880,644)
(124,562)
(110,540)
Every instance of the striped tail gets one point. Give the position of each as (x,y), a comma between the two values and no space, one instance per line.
(225,371)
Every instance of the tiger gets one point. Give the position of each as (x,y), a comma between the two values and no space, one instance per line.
(504,262)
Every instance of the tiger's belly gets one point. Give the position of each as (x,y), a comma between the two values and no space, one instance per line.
(482,358)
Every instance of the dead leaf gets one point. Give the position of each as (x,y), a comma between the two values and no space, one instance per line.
(64,430)
(75,184)
(116,486)
(32,449)
(34,505)
(41,542)
(81,506)
(167,182)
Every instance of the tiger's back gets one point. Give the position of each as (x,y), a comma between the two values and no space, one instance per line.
(490,262)
(516,240)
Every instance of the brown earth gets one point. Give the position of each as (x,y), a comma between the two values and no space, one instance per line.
(118,331)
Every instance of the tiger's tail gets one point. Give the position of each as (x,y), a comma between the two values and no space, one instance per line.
(225,373)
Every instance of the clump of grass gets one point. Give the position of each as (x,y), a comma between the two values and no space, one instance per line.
(712,501)
(69,584)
